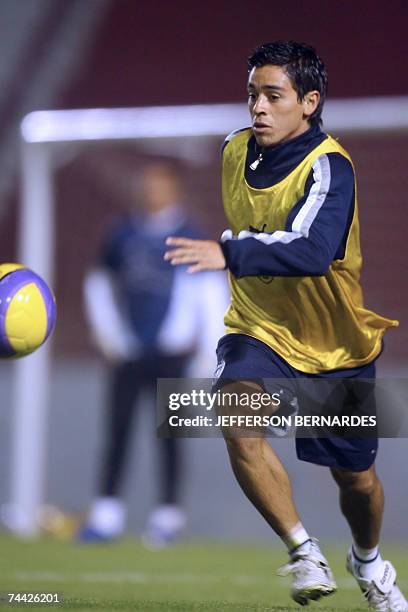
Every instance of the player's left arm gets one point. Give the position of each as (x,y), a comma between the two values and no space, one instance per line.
(316,230)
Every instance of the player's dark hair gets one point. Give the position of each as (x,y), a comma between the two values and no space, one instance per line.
(301,63)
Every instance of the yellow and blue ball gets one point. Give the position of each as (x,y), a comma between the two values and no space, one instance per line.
(27,311)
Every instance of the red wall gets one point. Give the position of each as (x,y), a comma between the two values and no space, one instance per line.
(161,52)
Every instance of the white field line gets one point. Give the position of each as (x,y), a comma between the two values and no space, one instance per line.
(145,578)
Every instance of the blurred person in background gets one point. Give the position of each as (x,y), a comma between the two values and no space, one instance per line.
(149,321)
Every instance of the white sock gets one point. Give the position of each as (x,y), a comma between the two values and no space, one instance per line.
(368,560)
(108,516)
(296,537)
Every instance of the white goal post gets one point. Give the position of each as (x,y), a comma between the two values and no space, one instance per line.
(41,132)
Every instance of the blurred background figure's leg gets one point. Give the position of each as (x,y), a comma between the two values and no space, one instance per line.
(167,520)
(107,516)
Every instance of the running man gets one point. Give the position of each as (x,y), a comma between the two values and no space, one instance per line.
(294,260)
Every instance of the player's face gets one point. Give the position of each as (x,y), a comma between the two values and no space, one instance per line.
(277,114)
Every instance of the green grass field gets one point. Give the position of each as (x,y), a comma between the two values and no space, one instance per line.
(195,576)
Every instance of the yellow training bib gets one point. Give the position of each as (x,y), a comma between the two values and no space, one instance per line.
(315,323)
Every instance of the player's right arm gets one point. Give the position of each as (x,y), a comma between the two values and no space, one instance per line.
(200,254)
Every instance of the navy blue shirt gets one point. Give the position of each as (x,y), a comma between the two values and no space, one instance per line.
(134,253)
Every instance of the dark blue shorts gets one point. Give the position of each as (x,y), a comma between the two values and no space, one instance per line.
(241,357)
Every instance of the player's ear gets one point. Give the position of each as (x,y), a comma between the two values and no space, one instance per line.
(310,102)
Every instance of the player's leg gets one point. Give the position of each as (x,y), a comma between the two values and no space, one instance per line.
(362,503)
(259,471)
(266,483)
(361,492)
(262,477)
(256,466)
(107,514)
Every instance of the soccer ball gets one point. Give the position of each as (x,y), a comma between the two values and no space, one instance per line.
(27,311)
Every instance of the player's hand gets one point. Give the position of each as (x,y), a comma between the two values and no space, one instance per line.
(203,254)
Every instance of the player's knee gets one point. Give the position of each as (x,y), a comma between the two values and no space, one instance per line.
(357,482)
(243,449)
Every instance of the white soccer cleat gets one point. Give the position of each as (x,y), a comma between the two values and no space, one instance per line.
(312,576)
(380,592)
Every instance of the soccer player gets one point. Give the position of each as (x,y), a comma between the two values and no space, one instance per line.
(293,255)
